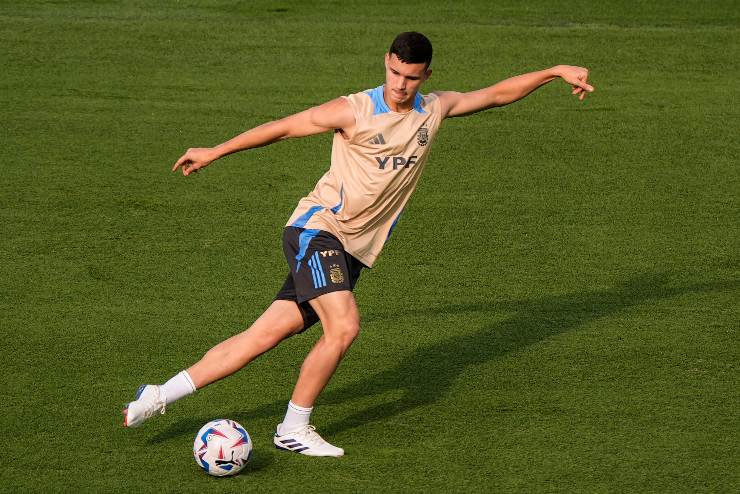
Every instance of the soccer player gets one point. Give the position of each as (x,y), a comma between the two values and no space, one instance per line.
(382,139)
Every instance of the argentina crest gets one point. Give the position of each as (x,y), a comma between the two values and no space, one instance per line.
(422,136)
(335,274)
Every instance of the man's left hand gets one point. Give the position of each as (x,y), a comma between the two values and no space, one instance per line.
(577,77)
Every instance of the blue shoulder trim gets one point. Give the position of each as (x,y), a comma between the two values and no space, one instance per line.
(376,95)
(380,106)
(417,103)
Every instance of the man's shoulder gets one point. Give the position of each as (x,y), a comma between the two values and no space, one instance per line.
(362,103)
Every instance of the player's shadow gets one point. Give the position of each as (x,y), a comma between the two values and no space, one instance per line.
(427,374)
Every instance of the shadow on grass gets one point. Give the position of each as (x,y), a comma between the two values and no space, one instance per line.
(427,374)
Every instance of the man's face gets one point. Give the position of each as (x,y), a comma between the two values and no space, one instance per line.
(402,80)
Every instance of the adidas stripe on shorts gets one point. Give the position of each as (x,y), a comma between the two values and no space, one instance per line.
(318,265)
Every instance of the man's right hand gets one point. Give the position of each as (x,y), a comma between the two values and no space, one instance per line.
(195,159)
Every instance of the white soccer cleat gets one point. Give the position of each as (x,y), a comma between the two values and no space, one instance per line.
(148,402)
(306,441)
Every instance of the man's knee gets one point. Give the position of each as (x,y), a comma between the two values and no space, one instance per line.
(339,317)
(343,331)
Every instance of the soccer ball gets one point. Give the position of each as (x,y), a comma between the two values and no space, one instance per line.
(222,447)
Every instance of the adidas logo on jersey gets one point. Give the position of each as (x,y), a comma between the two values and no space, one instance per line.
(378,139)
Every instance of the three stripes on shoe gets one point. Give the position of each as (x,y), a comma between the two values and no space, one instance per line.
(292,445)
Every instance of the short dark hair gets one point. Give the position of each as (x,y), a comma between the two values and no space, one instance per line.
(412,47)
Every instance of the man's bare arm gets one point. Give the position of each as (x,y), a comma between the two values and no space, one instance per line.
(335,114)
(456,104)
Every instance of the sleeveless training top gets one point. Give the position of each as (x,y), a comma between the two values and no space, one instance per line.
(372,175)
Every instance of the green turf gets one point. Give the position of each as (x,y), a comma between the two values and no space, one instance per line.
(558,310)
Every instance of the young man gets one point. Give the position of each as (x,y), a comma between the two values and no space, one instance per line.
(381,142)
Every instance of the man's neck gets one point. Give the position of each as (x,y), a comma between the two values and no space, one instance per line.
(398,107)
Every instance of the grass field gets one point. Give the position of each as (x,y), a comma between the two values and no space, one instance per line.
(558,310)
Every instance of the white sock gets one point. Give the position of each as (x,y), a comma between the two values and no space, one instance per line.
(295,418)
(177,387)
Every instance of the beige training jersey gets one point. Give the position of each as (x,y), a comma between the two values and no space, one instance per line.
(372,175)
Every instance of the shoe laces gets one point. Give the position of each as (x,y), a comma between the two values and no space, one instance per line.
(157,405)
(309,435)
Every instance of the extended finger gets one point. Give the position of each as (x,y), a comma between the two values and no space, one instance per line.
(179,162)
(584,85)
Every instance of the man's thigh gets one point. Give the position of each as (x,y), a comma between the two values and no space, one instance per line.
(318,266)
(280,320)
(282,316)
(337,310)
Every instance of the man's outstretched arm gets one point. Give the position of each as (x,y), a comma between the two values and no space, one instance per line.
(456,104)
(335,114)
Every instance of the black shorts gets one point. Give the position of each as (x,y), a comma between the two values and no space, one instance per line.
(318,265)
